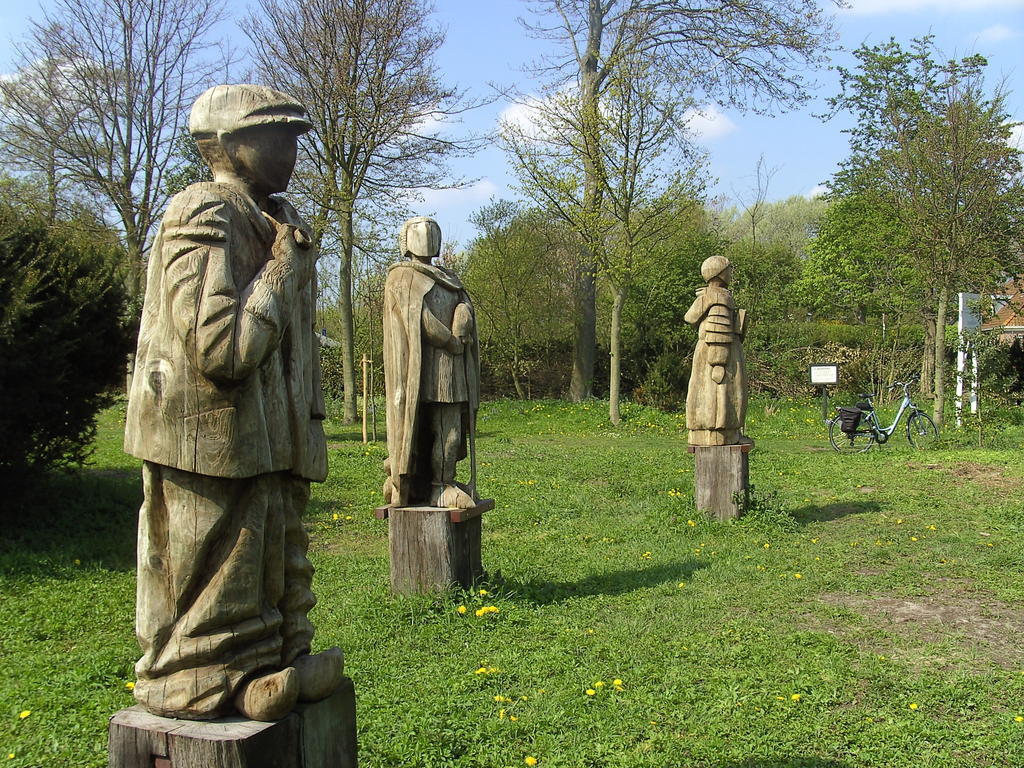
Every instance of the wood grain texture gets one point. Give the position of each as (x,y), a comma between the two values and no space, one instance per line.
(431,551)
(716,401)
(720,475)
(316,735)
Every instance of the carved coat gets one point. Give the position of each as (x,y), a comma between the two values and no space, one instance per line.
(716,400)
(405,292)
(227,373)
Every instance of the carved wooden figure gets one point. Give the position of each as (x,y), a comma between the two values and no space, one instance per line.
(225,410)
(431,374)
(432,379)
(716,403)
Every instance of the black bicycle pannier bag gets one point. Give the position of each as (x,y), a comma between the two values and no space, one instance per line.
(849,419)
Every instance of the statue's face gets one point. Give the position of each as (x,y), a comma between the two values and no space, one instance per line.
(423,240)
(263,155)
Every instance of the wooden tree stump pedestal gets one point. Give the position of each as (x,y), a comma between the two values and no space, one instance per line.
(434,548)
(720,478)
(317,735)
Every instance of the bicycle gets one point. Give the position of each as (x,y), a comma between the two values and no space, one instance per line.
(855,430)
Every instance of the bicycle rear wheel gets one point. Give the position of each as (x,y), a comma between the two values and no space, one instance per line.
(856,442)
(921,431)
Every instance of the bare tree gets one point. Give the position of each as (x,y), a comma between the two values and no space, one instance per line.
(745,54)
(99,99)
(365,71)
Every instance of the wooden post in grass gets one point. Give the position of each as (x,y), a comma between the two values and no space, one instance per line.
(366,363)
(721,479)
(321,734)
(432,548)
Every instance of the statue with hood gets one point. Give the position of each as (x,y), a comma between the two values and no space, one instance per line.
(432,376)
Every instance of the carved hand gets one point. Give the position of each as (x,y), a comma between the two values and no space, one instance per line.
(455,345)
(462,323)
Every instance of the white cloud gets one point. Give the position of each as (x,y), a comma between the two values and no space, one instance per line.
(474,195)
(521,114)
(1016,136)
(816,191)
(996,33)
(708,122)
(866,7)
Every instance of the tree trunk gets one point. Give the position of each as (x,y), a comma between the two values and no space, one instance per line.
(928,357)
(614,342)
(585,350)
(515,377)
(940,356)
(348,366)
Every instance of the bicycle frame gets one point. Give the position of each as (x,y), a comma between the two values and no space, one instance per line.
(882,434)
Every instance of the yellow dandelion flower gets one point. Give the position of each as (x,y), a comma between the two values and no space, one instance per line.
(913,705)
(24,713)
(691,523)
(682,584)
(348,517)
(483,593)
(795,697)
(501,715)
(130,685)
(616,681)
(1019,719)
(913,538)
(798,575)
(335,516)
(530,760)
(599,684)
(591,691)
(481,671)
(513,718)
(461,609)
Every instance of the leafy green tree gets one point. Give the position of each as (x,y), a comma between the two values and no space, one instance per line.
(932,148)
(63,338)
(746,54)
(515,270)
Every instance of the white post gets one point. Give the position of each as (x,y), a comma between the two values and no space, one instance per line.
(968,318)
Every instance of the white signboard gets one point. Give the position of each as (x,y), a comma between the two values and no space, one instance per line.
(825,373)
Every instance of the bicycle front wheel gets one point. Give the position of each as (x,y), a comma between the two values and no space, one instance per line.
(857,442)
(921,431)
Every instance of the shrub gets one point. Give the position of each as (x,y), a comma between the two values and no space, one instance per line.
(63,340)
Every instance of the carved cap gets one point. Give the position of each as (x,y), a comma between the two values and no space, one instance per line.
(227,108)
(713,266)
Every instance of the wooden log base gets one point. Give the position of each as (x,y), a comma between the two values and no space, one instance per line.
(320,734)
(433,548)
(721,477)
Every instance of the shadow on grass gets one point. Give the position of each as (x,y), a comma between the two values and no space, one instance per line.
(611,583)
(55,519)
(781,762)
(822,513)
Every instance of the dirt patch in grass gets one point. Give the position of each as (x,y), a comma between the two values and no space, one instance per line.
(985,475)
(970,626)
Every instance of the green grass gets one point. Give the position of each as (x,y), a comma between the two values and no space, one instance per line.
(899,643)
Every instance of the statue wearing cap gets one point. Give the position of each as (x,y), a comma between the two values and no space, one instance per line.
(226,411)
(431,373)
(716,403)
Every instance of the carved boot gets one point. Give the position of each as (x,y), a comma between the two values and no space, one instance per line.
(451,495)
(269,697)
(319,674)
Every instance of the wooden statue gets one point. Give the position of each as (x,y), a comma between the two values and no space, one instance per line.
(432,375)
(716,403)
(225,410)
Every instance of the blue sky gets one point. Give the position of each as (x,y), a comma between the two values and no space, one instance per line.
(486,44)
